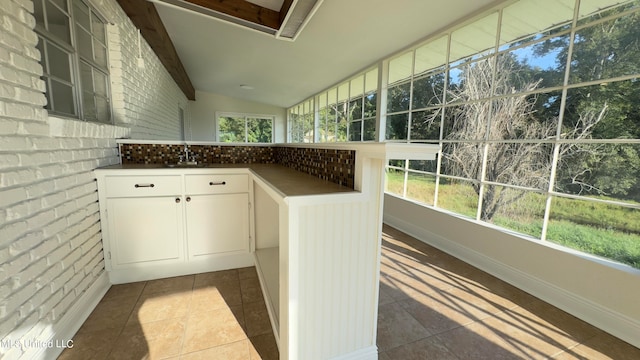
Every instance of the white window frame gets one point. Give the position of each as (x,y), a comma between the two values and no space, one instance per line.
(79,95)
(246,116)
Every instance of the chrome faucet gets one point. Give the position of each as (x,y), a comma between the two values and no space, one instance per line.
(190,158)
(186,152)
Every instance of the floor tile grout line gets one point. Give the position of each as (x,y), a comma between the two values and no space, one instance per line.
(112,347)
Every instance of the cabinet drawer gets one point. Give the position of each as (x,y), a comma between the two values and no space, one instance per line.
(216,184)
(134,186)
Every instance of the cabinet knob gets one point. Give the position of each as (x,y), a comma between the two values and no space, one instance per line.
(188,198)
(177,200)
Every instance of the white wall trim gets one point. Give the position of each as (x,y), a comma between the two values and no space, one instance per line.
(69,324)
(619,325)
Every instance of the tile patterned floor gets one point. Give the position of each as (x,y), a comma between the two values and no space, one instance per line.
(217,315)
(432,306)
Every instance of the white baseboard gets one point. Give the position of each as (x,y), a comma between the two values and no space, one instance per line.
(66,328)
(368,353)
(619,325)
(150,271)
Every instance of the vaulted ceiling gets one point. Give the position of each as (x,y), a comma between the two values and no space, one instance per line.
(223,44)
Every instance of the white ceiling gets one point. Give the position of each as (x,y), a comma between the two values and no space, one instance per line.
(342,38)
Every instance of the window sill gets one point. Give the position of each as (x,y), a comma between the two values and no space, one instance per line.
(68,127)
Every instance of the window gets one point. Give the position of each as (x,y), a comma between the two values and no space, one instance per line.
(346,112)
(301,120)
(73,45)
(531,142)
(245,128)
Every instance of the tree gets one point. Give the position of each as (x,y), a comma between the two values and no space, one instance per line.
(501,127)
(603,51)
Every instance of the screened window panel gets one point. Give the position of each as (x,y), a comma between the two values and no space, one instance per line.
(62,98)
(38,12)
(259,130)
(604,230)
(425,125)
(62,4)
(369,129)
(421,188)
(397,126)
(98,28)
(400,67)
(468,121)
(521,117)
(356,86)
(514,209)
(474,40)
(591,9)
(332,96)
(355,109)
(86,78)
(525,18)
(231,129)
(371,80)
(89,108)
(601,112)
(355,131)
(534,66)
(431,56)
(423,165)
(59,64)
(462,159)
(428,91)
(602,171)
(81,14)
(394,181)
(607,50)
(103,110)
(398,98)
(458,196)
(100,83)
(370,105)
(343,91)
(58,23)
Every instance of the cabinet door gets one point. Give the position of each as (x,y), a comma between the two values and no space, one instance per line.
(217,224)
(145,229)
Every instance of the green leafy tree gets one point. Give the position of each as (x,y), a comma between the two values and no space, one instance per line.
(230,129)
(606,50)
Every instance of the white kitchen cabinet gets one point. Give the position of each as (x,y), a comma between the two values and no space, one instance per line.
(217,224)
(217,214)
(160,223)
(145,229)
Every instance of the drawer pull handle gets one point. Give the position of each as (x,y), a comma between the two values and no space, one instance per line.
(218,183)
(144,185)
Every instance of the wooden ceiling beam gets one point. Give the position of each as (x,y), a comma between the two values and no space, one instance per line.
(284,10)
(243,10)
(145,17)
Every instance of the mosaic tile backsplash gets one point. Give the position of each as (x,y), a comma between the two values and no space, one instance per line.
(333,165)
(328,164)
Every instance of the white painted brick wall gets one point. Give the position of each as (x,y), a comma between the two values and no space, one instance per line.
(50,240)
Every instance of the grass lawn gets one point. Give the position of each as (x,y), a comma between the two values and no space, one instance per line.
(605,230)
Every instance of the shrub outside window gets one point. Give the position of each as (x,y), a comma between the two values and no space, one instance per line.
(239,128)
